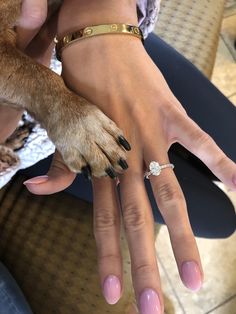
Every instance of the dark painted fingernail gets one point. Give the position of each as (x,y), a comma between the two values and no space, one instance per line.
(111,172)
(124,142)
(86,170)
(123,163)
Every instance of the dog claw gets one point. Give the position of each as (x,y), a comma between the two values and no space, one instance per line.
(111,172)
(86,170)
(124,142)
(123,164)
(96,149)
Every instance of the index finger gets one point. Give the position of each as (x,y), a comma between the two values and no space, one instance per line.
(202,145)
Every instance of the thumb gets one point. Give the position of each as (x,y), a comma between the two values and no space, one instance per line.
(58,178)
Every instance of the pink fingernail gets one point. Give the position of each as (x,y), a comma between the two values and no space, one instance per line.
(112,289)
(37,180)
(191,275)
(149,302)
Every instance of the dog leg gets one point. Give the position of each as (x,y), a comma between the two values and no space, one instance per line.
(81,132)
(40,49)
(9,118)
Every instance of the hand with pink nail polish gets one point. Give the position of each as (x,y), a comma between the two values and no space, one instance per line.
(122,97)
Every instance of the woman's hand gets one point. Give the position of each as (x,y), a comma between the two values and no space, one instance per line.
(115,73)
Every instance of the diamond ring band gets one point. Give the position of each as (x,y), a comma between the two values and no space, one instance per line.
(155,169)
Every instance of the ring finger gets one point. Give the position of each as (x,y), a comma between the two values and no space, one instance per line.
(171,202)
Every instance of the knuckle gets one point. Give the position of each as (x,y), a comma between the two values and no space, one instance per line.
(36,17)
(202,138)
(104,259)
(182,232)
(219,162)
(167,193)
(104,221)
(134,218)
(145,269)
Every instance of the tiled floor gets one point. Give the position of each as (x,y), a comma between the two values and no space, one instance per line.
(224,74)
(218,295)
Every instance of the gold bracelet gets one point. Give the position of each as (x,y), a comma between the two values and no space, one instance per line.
(95,30)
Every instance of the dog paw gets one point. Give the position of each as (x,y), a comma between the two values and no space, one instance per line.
(90,142)
(8,159)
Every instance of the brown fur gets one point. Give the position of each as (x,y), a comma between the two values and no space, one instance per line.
(8,159)
(81,132)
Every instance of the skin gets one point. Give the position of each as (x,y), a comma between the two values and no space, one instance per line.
(141,103)
(96,141)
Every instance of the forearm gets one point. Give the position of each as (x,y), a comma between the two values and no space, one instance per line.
(77,14)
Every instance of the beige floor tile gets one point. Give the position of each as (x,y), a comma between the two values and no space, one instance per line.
(219,262)
(228,308)
(224,73)
(233,99)
(228,32)
(172,304)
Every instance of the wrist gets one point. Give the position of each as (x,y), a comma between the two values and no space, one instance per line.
(76,14)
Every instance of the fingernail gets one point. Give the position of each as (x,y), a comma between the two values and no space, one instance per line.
(149,302)
(123,163)
(124,142)
(111,172)
(37,180)
(191,275)
(112,289)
